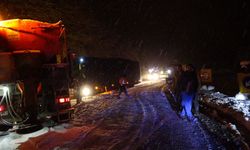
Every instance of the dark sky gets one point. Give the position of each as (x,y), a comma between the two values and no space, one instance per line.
(195,31)
(151,31)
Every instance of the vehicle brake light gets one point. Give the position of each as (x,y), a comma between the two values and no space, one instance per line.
(63,100)
(2,108)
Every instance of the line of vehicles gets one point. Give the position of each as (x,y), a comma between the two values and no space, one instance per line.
(97,75)
(37,73)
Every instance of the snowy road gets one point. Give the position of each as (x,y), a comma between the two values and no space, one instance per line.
(145,120)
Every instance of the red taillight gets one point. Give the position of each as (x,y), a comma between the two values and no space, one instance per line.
(63,100)
(2,108)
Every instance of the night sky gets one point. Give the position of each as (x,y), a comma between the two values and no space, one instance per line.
(162,32)
(180,31)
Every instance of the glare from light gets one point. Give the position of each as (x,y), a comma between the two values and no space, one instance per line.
(246,118)
(169,71)
(5,89)
(81,60)
(162,72)
(86,91)
(153,77)
(240,96)
(149,76)
(61,100)
(150,70)
(1,108)
(96,87)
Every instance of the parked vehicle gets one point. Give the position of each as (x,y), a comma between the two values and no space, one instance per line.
(102,74)
(34,72)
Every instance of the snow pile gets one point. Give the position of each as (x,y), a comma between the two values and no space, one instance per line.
(62,128)
(224,101)
(207,87)
(228,110)
(13,140)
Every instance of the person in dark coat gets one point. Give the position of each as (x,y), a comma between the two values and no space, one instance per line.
(189,87)
(122,85)
(178,74)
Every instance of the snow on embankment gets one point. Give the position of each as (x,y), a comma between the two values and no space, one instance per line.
(227,109)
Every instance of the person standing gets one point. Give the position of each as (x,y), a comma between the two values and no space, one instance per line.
(122,85)
(178,74)
(189,87)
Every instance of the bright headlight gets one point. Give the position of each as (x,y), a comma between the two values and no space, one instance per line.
(86,91)
(153,76)
(81,60)
(151,70)
(169,71)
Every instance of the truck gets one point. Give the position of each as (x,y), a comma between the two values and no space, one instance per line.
(98,74)
(34,72)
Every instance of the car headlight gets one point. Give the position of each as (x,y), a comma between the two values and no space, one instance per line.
(153,76)
(169,71)
(86,91)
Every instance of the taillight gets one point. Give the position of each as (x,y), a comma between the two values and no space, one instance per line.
(2,108)
(63,100)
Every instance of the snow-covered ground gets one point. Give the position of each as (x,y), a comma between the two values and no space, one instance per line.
(144,120)
(13,140)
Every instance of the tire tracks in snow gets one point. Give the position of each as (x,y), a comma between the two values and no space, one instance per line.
(150,121)
(158,121)
(146,126)
(146,120)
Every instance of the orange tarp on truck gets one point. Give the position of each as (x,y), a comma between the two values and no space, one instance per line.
(25,34)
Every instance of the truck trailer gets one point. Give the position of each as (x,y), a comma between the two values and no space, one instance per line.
(98,74)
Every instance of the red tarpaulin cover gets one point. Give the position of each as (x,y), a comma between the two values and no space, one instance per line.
(25,34)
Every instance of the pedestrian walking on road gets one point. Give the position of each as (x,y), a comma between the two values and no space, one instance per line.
(189,86)
(123,82)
